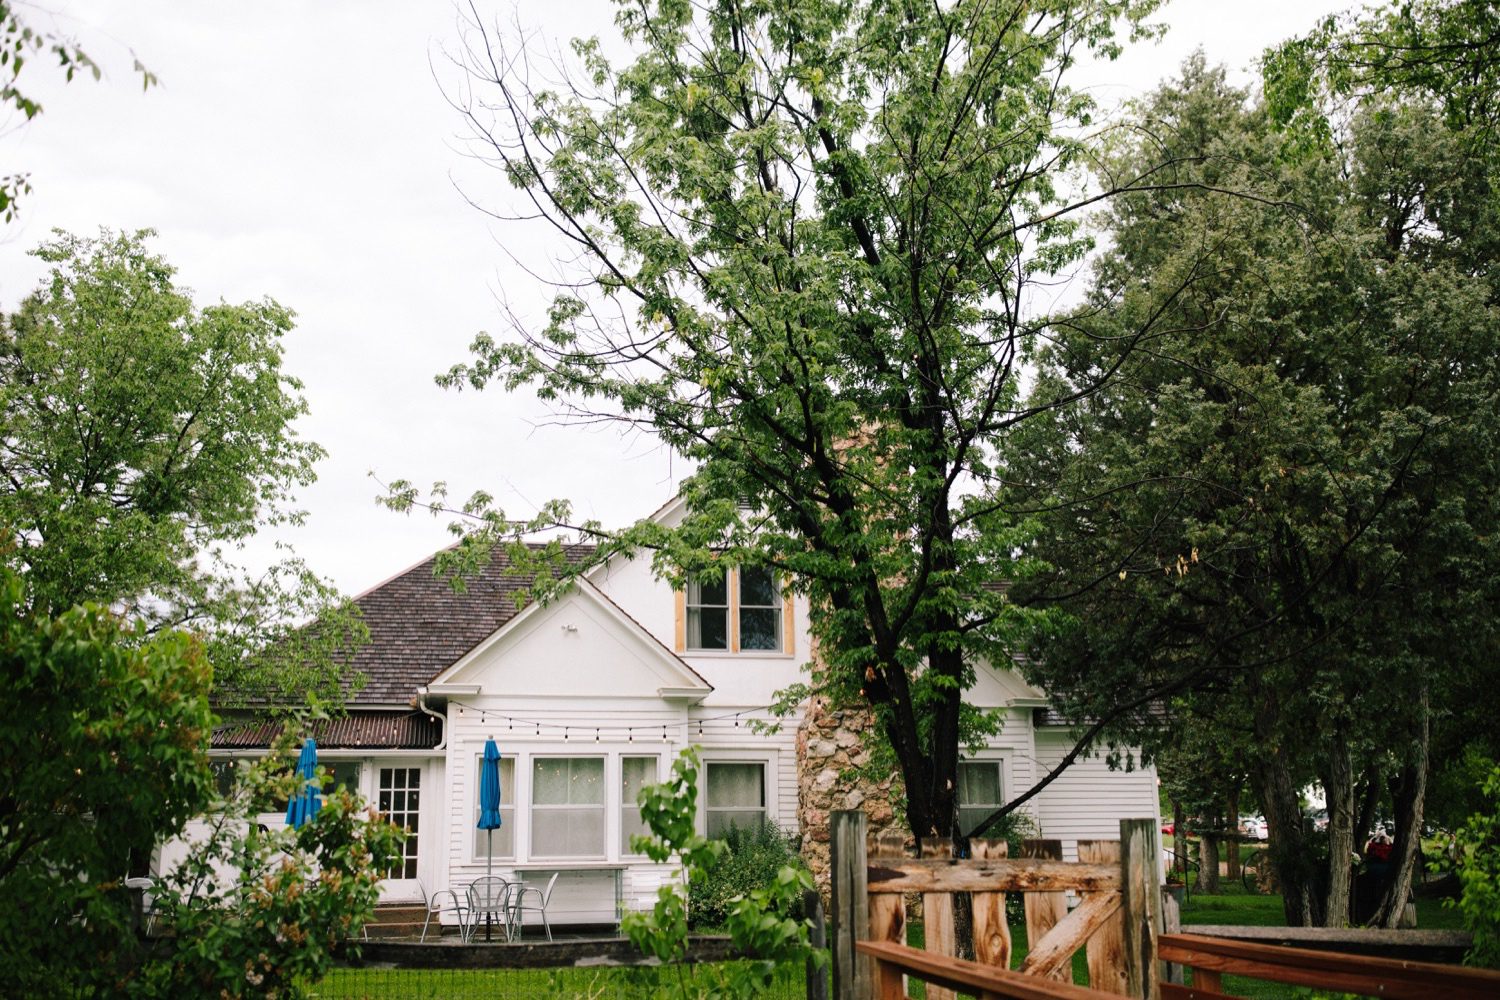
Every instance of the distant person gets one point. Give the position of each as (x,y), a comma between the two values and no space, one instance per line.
(1378,855)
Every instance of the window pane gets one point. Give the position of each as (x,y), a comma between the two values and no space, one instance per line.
(707,628)
(708,591)
(568,781)
(549,781)
(758,587)
(760,628)
(736,786)
(979,783)
(342,774)
(635,773)
(503,837)
(720,820)
(567,833)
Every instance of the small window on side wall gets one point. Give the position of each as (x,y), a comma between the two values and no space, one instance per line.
(979,792)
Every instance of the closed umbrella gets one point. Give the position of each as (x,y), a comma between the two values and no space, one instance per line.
(489,811)
(306,803)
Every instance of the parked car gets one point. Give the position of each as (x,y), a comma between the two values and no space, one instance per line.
(1254,827)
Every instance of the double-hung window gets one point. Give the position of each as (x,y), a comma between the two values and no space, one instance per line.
(736,796)
(743,609)
(501,840)
(979,792)
(567,807)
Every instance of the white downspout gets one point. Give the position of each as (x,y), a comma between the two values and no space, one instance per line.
(442,719)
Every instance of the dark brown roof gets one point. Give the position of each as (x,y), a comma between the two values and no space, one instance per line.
(419,625)
(357,730)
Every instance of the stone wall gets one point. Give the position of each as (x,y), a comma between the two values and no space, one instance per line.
(830,751)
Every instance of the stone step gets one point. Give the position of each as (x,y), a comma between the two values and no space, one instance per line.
(399,914)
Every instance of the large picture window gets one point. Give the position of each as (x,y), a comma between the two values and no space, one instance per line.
(635,773)
(979,791)
(504,836)
(567,807)
(736,796)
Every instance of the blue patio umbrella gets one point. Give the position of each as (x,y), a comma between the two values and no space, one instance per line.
(306,803)
(489,809)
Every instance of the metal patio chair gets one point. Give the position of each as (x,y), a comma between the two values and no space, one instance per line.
(543,897)
(440,902)
(489,897)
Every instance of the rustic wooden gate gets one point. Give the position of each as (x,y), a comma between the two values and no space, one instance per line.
(1116,881)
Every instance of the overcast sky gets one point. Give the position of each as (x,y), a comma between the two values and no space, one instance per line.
(304,151)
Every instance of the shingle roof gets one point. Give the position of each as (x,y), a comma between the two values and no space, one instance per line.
(419,625)
(357,730)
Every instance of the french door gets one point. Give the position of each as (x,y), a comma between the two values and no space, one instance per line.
(398,796)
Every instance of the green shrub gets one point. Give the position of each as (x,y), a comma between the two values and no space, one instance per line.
(1479,876)
(752,857)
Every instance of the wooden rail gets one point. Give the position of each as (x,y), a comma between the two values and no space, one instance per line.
(1212,958)
(1117,884)
(893,962)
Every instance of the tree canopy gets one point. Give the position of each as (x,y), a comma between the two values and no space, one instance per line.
(139,433)
(808,235)
(1283,507)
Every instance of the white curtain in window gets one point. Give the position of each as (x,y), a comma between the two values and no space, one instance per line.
(736,796)
(635,773)
(978,791)
(567,807)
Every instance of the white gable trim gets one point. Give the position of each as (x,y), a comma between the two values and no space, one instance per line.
(680,681)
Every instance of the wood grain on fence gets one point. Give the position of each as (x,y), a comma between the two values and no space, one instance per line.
(1046,909)
(1105,949)
(991,928)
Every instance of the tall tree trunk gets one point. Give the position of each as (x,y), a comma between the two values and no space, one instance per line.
(1410,796)
(1179,839)
(1232,847)
(1338,786)
(1208,857)
(1276,787)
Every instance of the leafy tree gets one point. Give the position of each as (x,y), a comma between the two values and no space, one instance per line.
(102,745)
(1479,873)
(810,235)
(140,435)
(1283,508)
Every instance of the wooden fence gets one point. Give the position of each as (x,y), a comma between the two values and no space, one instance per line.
(1117,882)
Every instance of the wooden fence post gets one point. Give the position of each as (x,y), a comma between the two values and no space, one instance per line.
(1105,948)
(939,934)
(1141,902)
(1045,909)
(853,975)
(991,929)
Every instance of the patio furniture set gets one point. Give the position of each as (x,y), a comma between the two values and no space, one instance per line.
(492,902)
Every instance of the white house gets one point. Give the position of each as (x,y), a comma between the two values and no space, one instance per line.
(592,696)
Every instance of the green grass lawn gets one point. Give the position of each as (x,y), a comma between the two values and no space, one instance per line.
(518,984)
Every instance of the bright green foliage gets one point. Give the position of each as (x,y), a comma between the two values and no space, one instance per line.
(288,899)
(1479,874)
(141,432)
(761,922)
(809,232)
(753,855)
(102,746)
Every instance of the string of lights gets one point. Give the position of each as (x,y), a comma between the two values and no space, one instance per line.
(596,734)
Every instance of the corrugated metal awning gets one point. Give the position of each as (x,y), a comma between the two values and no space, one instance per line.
(396,730)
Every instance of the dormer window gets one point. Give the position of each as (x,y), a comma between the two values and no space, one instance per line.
(743,609)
